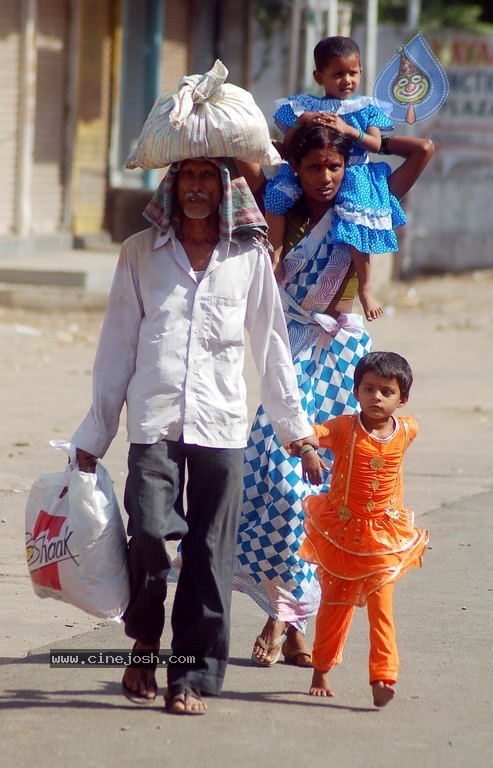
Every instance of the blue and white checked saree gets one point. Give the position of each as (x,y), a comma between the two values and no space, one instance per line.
(325,352)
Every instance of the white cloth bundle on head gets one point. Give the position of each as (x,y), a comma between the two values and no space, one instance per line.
(205,117)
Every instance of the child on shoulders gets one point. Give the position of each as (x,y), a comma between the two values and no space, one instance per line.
(366,214)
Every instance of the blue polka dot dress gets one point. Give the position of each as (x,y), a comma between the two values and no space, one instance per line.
(366,213)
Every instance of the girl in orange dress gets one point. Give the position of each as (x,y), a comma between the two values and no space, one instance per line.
(359,533)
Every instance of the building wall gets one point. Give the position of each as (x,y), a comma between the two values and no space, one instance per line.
(48,185)
(10,51)
(176,45)
(61,120)
(34,118)
(92,122)
(127,199)
(234,41)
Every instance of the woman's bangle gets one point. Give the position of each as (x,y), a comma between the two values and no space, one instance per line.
(306,448)
(384,146)
(360,138)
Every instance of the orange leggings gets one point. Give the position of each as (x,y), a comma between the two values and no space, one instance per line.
(332,627)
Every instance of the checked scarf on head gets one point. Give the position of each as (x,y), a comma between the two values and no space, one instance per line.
(238,211)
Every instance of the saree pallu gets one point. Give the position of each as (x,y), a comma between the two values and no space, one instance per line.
(325,352)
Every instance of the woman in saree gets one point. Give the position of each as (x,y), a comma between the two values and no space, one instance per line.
(318,284)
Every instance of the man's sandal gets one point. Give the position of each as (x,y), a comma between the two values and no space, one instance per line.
(148,678)
(142,698)
(183,702)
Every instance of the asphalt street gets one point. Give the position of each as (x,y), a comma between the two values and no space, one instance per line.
(442,714)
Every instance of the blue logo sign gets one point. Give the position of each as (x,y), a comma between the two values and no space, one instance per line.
(413,82)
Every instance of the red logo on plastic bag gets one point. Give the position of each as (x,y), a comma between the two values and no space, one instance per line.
(48,546)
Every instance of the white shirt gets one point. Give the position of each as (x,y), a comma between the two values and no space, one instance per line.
(172,347)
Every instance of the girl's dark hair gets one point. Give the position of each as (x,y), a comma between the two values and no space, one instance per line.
(389,365)
(331,47)
(316,137)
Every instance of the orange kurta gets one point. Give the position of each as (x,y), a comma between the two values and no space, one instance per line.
(359,532)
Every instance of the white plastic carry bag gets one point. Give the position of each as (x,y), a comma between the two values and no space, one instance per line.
(75,540)
(205,117)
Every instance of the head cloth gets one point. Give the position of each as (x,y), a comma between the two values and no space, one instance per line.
(238,211)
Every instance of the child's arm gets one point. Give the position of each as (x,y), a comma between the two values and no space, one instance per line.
(305,120)
(311,463)
(371,306)
(370,139)
(311,467)
(325,432)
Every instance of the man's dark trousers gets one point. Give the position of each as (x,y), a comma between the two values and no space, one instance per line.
(154,502)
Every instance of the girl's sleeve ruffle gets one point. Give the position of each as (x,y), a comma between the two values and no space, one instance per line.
(412,427)
(372,115)
(282,191)
(285,116)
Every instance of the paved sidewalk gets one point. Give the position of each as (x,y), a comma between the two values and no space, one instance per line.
(67,280)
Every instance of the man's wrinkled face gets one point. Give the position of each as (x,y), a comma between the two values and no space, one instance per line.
(199,188)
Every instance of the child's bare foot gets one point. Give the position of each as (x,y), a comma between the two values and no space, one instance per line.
(371,307)
(320,684)
(382,693)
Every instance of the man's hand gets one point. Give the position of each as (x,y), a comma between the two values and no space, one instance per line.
(85,460)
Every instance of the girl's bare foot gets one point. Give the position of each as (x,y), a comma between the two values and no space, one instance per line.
(267,646)
(371,306)
(320,684)
(382,693)
(295,649)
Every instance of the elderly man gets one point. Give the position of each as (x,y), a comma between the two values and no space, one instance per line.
(172,348)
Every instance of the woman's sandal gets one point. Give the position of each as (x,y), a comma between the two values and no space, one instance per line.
(182,703)
(147,677)
(299,658)
(273,650)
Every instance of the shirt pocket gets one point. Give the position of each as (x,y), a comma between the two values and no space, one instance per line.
(224,320)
